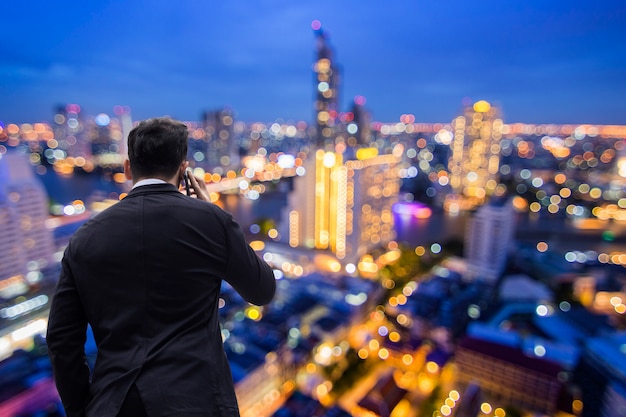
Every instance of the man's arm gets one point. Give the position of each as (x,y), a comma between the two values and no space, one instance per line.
(67,327)
(249,275)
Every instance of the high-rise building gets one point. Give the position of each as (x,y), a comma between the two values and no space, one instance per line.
(108,146)
(69,132)
(23,213)
(475,161)
(488,239)
(358,125)
(343,207)
(222,149)
(327,81)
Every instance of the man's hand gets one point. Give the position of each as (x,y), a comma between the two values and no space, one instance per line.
(198,187)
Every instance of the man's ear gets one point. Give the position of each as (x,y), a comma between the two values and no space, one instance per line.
(127,172)
(183,168)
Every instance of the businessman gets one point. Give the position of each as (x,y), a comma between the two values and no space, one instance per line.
(145,274)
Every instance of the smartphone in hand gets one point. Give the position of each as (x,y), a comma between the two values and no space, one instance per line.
(186,180)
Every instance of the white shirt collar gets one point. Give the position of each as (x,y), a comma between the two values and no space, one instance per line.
(148,181)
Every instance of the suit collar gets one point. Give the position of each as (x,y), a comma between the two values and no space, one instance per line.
(153,188)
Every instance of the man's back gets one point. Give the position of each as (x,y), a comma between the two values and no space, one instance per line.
(147,273)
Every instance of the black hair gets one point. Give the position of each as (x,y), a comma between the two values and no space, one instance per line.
(157,147)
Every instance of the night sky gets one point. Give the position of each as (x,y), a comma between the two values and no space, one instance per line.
(542,61)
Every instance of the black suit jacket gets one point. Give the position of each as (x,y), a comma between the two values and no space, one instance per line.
(146,275)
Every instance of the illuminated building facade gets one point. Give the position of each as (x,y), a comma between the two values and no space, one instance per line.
(344,207)
(222,149)
(488,239)
(69,132)
(509,376)
(326,84)
(106,135)
(23,213)
(475,161)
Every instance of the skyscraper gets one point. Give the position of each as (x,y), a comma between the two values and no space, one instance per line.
(488,239)
(23,212)
(475,161)
(343,207)
(358,125)
(327,79)
(222,147)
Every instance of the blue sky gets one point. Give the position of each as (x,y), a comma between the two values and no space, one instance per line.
(542,61)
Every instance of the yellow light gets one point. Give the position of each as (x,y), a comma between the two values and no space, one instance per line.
(272,233)
(119,178)
(407,359)
(329,159)
(454,395)
(321,390)
(499,412)
(366,153)
(402,319)
(257,245)
(419,251)
(577,406)
(334,266)
(373,344)
(253,313)
(383,354)
(595,193)
(482,106)
(560,178)
(394,337)
(363,353)
(485,408)
(432,367)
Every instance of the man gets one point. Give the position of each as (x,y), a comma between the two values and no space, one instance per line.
(146,275)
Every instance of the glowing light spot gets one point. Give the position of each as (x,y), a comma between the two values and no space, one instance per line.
(482,106)
(542,310)
(473,311)
(432,367)
(540,350)
(383,354)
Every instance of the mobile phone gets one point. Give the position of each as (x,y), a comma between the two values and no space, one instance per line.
(186,180)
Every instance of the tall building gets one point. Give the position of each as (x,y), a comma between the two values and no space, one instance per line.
(343,207)
(358,127)
(475,161)
(488,239)
(222,149)
(108,146)
(69,132)
(327,81)
(23,213)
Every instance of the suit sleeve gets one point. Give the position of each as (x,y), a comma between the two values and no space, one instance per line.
(249,275)
(66,335)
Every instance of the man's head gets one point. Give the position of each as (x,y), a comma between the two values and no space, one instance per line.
(157,148)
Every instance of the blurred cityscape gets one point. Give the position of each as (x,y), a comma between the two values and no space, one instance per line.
(472,267)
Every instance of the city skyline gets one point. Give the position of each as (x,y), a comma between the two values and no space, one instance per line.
(561,62)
